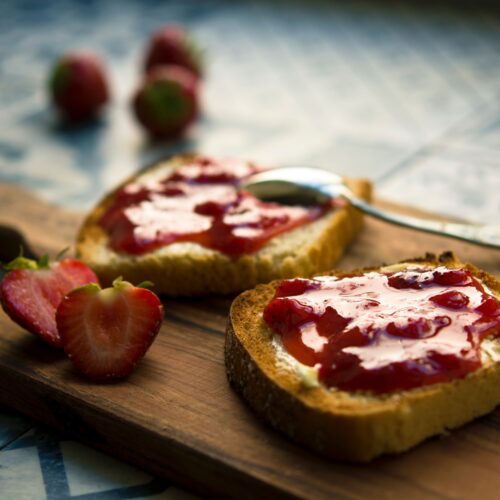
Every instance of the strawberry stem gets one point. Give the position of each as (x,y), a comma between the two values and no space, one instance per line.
(119,283)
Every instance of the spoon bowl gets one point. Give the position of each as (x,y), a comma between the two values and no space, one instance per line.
(295,185)
(312,186)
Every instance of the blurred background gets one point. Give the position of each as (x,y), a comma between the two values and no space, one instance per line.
(405,93)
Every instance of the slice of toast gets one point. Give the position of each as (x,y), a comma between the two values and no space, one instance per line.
(189,269)
(353,426)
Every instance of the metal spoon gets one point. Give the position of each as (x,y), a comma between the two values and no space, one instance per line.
(307,185)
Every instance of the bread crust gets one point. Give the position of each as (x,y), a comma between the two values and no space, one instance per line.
(188,269)
(341,425)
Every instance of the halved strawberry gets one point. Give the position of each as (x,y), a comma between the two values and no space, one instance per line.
(31,292)
(106,332)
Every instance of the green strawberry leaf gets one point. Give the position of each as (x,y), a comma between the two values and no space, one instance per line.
(146,284)
(119,284)
(59,78)
(62,253)
(43,262)
(195,53)
(21,263)
(90,287)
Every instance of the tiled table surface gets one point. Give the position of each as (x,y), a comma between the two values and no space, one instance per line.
(406,94)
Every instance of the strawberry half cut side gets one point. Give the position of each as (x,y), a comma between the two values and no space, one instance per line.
(105,332)
(31,292)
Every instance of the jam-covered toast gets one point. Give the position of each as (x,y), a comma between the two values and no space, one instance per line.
(374,361)
(185,225)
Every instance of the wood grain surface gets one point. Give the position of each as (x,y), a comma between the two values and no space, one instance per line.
(177,417)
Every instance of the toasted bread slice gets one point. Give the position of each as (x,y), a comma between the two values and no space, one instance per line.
(188,269)
(354,426)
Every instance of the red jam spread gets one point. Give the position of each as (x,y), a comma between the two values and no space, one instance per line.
(199,202)
(386,332)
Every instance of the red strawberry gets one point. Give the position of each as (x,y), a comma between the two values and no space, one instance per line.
(106,332)
(31,292)
(78,86)
(172,45)
(167,102)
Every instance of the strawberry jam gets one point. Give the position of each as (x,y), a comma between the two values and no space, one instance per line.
(384,332)
(199,202)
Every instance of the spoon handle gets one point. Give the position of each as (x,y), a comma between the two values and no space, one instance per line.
(473,233)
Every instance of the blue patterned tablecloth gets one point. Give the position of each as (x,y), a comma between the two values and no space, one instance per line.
(405,93)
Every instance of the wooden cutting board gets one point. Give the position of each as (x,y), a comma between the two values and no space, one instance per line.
(177,417)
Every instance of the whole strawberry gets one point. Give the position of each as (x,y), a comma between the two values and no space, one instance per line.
(172,45)
(166,104)
(106,332)
(78,86)
(31,292)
